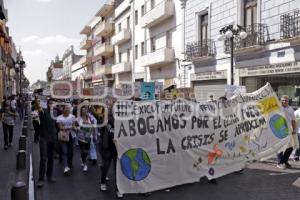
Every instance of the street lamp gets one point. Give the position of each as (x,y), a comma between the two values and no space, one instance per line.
(20,65)
(230,32)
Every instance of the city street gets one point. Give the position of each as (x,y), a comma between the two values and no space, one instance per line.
(260,181)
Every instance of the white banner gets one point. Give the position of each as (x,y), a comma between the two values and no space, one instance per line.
(162,144)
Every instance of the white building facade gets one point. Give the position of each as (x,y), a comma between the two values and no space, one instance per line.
(97,43)
(270,53)
(147,41)
(68,60)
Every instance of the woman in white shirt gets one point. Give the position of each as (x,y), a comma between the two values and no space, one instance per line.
(85,132)
(66,123)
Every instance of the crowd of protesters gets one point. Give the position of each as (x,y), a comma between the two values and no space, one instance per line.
(61,126)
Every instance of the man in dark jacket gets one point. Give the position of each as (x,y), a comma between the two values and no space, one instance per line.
(48,138)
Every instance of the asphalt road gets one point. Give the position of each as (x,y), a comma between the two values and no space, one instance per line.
(260,181)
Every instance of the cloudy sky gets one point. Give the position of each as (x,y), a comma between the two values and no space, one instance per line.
(45,28)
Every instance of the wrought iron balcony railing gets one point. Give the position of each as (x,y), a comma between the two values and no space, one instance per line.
(290,25)
(199,49)
(257,35)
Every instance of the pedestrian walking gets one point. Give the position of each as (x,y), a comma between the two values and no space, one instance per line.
(47,140)
(283,157)
(297,115)
(36,119)
(108,153)
(8,118)
(66,135)
(85,132)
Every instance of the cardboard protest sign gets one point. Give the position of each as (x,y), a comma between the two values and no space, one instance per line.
(162,144)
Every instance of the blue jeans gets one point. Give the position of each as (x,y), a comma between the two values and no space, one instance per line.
(297,153)
(67,152)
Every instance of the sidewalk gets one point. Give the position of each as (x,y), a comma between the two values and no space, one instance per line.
(8,162)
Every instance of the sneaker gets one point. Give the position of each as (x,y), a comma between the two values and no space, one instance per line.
(85,168)
(5,147)
(167,190)
(66,170)
(281,166)
(40,183)
(119,195)
(103,187)
(213,181)
(107,179)
(9,145)
(296,159)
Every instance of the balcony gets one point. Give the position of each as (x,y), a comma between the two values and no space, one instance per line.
(257,37)
(85,44)
(121,68)
(103,69)
(158,14)
(105,49)
(86,60)
(106,9)
(200,50)
(86,30)
(290,26)
(123,36)
(105,28)
(160,56)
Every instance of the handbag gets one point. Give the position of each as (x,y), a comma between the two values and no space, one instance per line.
(63,136)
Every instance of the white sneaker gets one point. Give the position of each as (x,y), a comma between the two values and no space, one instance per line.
(66,170)
(103,187)
(107,179)
(85,168)
(119,195)
(281,166)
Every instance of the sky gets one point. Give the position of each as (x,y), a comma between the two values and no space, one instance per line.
(43,29)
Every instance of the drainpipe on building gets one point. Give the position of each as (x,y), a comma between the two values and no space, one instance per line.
(183,6)
(133,40)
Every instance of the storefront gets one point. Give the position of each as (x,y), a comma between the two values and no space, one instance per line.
(209,83)
(284,79)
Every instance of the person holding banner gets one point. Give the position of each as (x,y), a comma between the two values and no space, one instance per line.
(297,115)
(66,136)
(283,157)
(108,153)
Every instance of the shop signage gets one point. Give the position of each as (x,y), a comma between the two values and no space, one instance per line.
(283,68)
(209,75)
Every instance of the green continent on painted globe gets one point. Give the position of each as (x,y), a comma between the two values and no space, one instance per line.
(135,164)
(279,126)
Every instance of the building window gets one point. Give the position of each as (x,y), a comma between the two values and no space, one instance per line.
(103,60)
(169,39)
(128,55)
(142,10)
(203,25)
(136,52)
(128,22)
(142,48)
(120,57)
(119,27)
(136,17)
(250,13)
(152,44)
(152,4)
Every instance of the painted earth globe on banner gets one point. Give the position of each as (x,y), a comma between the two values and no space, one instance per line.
(279,126)
(135,164)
